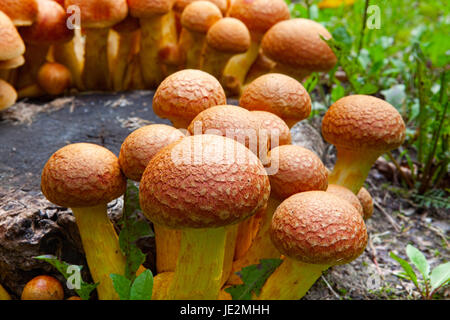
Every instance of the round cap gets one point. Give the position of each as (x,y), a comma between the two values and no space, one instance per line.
(10,40)
(186,93)
(259,15)
(100,13)
(22,13)
(363,122)
(149,8)
(12,63)
(366,202)
(8,95)
(278,94)
(50,26)
(296,43)
(199,16)
(346,194)
(318,228)
(299,170)
(274,127)
(181,4)
(203,181)
(43,288)
(82,175)
(229,35)
(54,78)
(142,145)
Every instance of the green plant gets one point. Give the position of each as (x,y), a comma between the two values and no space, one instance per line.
(431,281)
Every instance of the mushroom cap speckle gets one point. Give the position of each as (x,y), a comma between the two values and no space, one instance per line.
(10,41)
(366,202)
(142,145)
(203,181)
(317,227)
(22,13)
(149,8)
(199,16)
(279,94)
(360,122)
(8,95)
(82,175)
(296,43)
(299,170)
(100,13)
(346,194)
(186,93)
(229,35)
(50,26)
(259,15)
(274,127)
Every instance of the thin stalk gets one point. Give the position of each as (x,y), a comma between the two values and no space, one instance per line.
(363,28)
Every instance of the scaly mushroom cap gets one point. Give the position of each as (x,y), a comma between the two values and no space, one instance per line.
(22,13)
(278,94)
(145,9)
(259,15)
(12,63)
(203,181)
(181,4)
(8,95)
(54,78)
(346,194)
(228,121)
(186,93)
(82,175)
(11,43)
(199,16)
(318,228)
(299,170)
(297,44)
(361,122)
(100,13)
(274,126)
(229,35)
(50,26)
(142,145)
(366,202)
(43,288)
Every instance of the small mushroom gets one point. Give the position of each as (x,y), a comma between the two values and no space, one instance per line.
(54,78)
(274,127)
(4,295)
(346,194)
(366,202)
(8,95)
(43,288)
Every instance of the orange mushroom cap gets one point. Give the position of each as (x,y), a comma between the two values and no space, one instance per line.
(22,13)
(229,35)
(180,5)
(43,288)
(10,41)
(199,16)
(274,126)
(366,202)
(8,95)
(54,78)
(144,9)
(346,194)
(100,13)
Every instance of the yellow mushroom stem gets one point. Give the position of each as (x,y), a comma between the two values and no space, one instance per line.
(169,38)
(238,66)
(230,244)
(291,280)
(214,62)
(4,295)
(261,247)
(161,284)
(191,47)
(352,168)
(101,246)
(31,91)
(96,68)
(122,59)
(198,273)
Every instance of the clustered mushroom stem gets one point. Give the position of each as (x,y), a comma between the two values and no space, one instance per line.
(4,294)
(96,68)
(122,60)
(230,244)
(169,38)
(191,46)
(167,247)
(101,246)
(291,280)
(214,62)
(66,54)
(201,258)
(352,168)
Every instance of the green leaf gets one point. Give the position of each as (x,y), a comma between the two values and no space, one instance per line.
(440,276)
(121,285)
(419,260)
(407,267)
(253,278)
(84,290)
(337,92)
(142,287)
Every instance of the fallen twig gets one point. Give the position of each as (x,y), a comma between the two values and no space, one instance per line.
(388,216)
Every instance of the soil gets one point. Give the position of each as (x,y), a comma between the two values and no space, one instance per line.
(31,131)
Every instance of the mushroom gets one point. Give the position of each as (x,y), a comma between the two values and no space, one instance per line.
(12,63)
(296,169)
(157,30)
(22,13)
(346,194)
(186,93)
(136,152)
(4,295)
(196,20)
(278,94)
(361,128)
(366,202)
(313,230)
(43,288)
(54,78)
(85,177)
(8,95)
(226,38)
(74,298)
(202,185)
(258,16)
(10,41)
(97,17)
(274,127)
(295,45)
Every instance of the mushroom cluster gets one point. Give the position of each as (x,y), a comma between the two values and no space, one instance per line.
(54,47)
